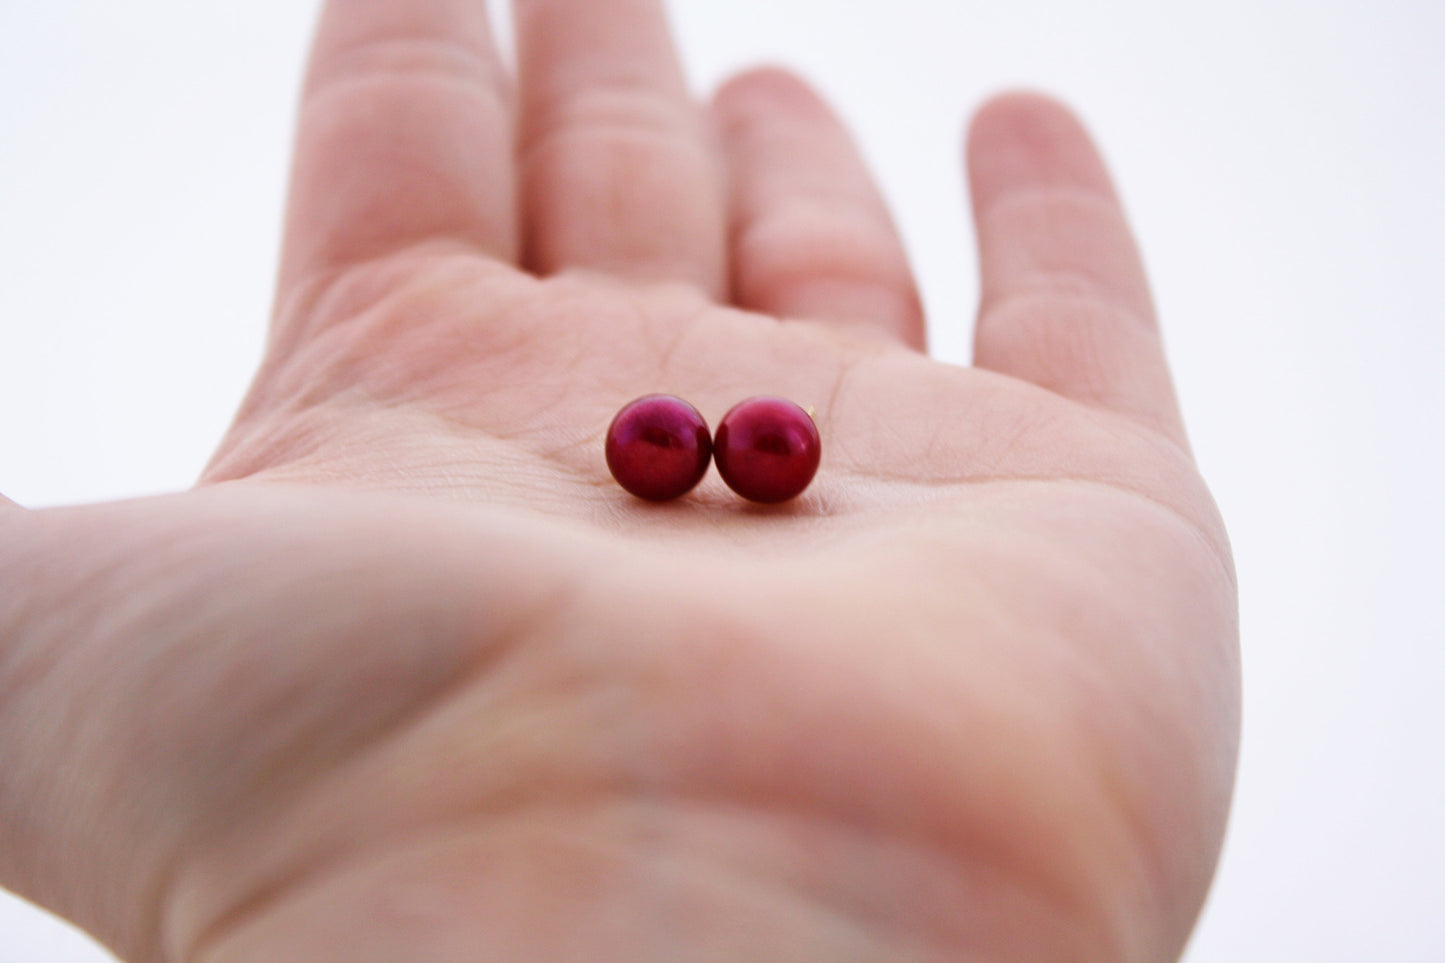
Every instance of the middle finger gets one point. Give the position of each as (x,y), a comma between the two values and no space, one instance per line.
(618,172)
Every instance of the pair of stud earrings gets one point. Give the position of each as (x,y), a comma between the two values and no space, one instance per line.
(767,449)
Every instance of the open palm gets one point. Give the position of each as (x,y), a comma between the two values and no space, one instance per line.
(409,677)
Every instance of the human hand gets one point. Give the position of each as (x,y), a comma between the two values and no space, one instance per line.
(408,677)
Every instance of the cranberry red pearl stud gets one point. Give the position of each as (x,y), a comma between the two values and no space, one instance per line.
(767,448)
(658,447)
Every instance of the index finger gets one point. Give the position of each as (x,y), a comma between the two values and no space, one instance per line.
(405,136)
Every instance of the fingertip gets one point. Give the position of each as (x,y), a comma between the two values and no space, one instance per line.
(767,89)
(1006,107)
(1023,139)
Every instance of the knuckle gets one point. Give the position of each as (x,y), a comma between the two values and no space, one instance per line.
(390,60)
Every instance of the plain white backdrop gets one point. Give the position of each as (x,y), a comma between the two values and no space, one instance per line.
(1282,162)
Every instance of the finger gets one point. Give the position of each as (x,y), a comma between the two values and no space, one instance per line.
(618,173)
(811,235)
(1065,303)
(405,136)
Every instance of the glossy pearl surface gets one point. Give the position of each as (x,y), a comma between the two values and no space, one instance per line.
(767,449)
(658,447)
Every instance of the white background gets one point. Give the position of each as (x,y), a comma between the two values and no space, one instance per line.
(1283,164)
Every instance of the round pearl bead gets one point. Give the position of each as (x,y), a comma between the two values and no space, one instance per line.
(767,449)
(658,447)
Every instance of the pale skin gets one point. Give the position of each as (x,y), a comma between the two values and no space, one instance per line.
(408,677)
